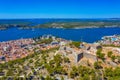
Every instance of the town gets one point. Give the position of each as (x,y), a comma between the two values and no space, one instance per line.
(51,58)
(111,40)
(15,49)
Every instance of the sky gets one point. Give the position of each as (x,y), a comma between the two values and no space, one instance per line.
(59,9)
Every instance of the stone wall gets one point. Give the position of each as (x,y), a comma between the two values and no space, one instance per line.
(90,56)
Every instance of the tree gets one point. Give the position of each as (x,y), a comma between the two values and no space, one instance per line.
(85,77)
(109,54)
(118,58)
(58,59)
(76,44)
(99,54)
(48,78)
(97,65)
(83,70)
(49,68)
(66,60)
(112,74)
(117,71)
(113,58)
(10,73)
(31,61)
(74,72)
(108,72)
(58,69)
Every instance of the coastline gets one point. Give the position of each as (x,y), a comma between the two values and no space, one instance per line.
(62,27)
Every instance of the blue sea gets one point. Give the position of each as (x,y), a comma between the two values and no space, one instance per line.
(89,35)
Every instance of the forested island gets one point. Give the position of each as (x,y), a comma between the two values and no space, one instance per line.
(60,23)
(78,25)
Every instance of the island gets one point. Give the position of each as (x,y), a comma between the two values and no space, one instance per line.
(79,25)
(61,23)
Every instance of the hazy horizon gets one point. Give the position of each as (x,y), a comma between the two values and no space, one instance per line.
(62,18)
